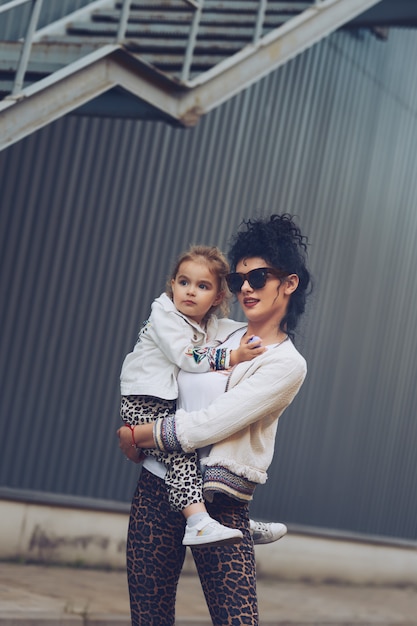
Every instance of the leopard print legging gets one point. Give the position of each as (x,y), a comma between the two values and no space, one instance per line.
(155,556)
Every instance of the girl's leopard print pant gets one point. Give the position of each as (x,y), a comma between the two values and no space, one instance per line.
(183,478)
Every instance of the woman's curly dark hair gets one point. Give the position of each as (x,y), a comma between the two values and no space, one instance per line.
(278,241)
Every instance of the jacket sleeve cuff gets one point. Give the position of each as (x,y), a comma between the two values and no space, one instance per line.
(219,358)
(164,433)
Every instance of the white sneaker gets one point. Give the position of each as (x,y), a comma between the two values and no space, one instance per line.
(210,532)
(267,532)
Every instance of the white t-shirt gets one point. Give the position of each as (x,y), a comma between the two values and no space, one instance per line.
(198,391)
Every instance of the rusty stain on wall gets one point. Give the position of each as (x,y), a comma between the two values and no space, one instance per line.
(46,544)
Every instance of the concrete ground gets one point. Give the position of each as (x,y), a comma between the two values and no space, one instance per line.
(35,595)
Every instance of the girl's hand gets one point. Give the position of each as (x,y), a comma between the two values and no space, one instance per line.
(126,445)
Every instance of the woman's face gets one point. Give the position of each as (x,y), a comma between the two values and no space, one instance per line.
(268,304)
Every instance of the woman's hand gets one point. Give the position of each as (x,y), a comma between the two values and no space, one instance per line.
(131,452)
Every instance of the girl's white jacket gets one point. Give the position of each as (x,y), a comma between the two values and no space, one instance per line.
(168,342)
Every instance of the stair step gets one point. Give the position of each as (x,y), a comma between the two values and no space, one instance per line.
(179,45)
(166,5)
(140,30)
(234,6)
(177,60)
(208,17)
(136,16)
(70,47)
(208,31)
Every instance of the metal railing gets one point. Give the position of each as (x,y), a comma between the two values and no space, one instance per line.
(196,5)
(31,30)
(27,41)
(35,11)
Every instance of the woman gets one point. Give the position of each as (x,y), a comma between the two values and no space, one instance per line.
(270,280)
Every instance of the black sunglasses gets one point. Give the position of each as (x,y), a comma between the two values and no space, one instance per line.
(256,278)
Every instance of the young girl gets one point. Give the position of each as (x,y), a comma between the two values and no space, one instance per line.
(182,332)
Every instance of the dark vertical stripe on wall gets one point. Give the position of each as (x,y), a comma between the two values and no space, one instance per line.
(94,211)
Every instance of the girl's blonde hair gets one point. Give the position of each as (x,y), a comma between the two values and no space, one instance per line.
(217,263)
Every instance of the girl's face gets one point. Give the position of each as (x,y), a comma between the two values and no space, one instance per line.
(268,304)
(195,290)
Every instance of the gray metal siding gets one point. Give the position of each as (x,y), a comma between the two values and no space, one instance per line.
(13,24)
(94,211)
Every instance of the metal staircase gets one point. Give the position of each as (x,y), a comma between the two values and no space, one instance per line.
(159,59)
(159,31)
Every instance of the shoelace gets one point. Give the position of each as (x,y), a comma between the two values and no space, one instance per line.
(260,526)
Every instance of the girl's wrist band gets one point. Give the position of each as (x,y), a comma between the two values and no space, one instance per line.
(132,430)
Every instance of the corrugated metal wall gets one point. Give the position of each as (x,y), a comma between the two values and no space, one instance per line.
(94,211)
(13,24)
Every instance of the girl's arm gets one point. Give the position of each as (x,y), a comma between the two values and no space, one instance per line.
(178,340)
(143,437)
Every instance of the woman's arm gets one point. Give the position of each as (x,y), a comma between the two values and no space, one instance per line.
(265,391)
(270,386)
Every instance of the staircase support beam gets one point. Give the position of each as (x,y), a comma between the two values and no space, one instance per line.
(52,98)
(143,82)
(79,83)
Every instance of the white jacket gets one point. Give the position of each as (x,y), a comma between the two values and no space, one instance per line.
(241,423)
(168,342)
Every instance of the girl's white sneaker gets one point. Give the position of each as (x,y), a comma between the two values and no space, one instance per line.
(209,532)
